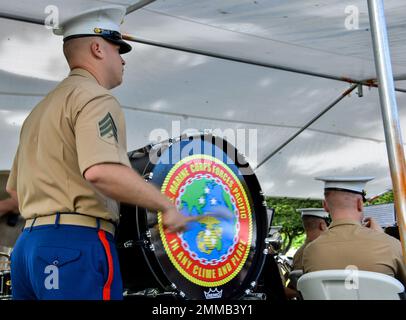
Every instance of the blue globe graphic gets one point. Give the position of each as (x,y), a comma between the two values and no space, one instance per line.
(212,235)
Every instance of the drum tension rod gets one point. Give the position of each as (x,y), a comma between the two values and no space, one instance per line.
(133,243)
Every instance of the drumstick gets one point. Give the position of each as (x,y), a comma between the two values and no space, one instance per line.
(216,213)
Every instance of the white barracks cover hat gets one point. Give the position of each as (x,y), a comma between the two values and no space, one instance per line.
(349,184)
(314,212)
(102,21)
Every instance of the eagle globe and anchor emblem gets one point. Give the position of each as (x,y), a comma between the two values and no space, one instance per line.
(204,198)
(215,246)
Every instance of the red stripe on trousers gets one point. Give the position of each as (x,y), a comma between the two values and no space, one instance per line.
(106,245)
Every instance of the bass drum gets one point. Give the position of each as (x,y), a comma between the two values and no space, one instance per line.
(220,255)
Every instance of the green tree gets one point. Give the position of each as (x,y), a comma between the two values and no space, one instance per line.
(387,197)
(290,220)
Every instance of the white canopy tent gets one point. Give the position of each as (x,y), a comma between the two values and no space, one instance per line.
(163,86)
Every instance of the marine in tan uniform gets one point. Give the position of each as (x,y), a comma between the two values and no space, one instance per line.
(71,169)
(297,263)
(315,221)
(351,241)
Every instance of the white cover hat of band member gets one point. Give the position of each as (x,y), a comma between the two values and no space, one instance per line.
(102,21)
(350,184)
(313,212)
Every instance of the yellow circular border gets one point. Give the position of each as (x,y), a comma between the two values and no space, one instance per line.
(162,235)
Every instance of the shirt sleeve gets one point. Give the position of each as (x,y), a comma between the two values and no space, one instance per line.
(100,133)
(12,178)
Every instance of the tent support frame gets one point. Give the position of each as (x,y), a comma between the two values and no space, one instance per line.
(390,117)
(320,114)
(365,82)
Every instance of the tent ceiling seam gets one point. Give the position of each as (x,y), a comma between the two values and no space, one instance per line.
(187,115)
(367,82)
(184,115)
(113,2)
(253,35)
(215,55)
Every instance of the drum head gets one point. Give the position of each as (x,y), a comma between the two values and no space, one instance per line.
(220,254)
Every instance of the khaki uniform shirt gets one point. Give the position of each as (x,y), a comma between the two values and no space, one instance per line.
(348,243)
(298,257)
(77,125)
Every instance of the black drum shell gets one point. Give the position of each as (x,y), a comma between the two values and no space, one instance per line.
(140,267)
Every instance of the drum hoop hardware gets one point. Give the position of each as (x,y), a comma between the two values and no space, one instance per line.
(132,244)
(176,290)
(143,242)
(142,161)
(148,176)
(128,244)
(251,288)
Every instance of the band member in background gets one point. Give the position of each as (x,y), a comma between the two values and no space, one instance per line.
(350,239)
(315,221)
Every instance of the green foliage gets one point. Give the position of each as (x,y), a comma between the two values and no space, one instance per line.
(382,199)
(298,241)
(287,217)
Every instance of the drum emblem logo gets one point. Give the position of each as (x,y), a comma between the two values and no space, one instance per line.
(215,246)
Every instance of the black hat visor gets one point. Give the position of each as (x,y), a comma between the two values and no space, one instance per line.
(109,35)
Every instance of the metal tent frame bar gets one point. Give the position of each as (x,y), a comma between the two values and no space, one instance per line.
(331,105)
(366,82)
(390,117)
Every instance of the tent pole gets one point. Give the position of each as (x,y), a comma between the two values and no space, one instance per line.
(393,134)
(138,5)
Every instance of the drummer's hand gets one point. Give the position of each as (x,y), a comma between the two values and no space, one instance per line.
(174,221)
(372,224)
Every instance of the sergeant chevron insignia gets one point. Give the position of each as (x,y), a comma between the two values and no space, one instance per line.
(108,129)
